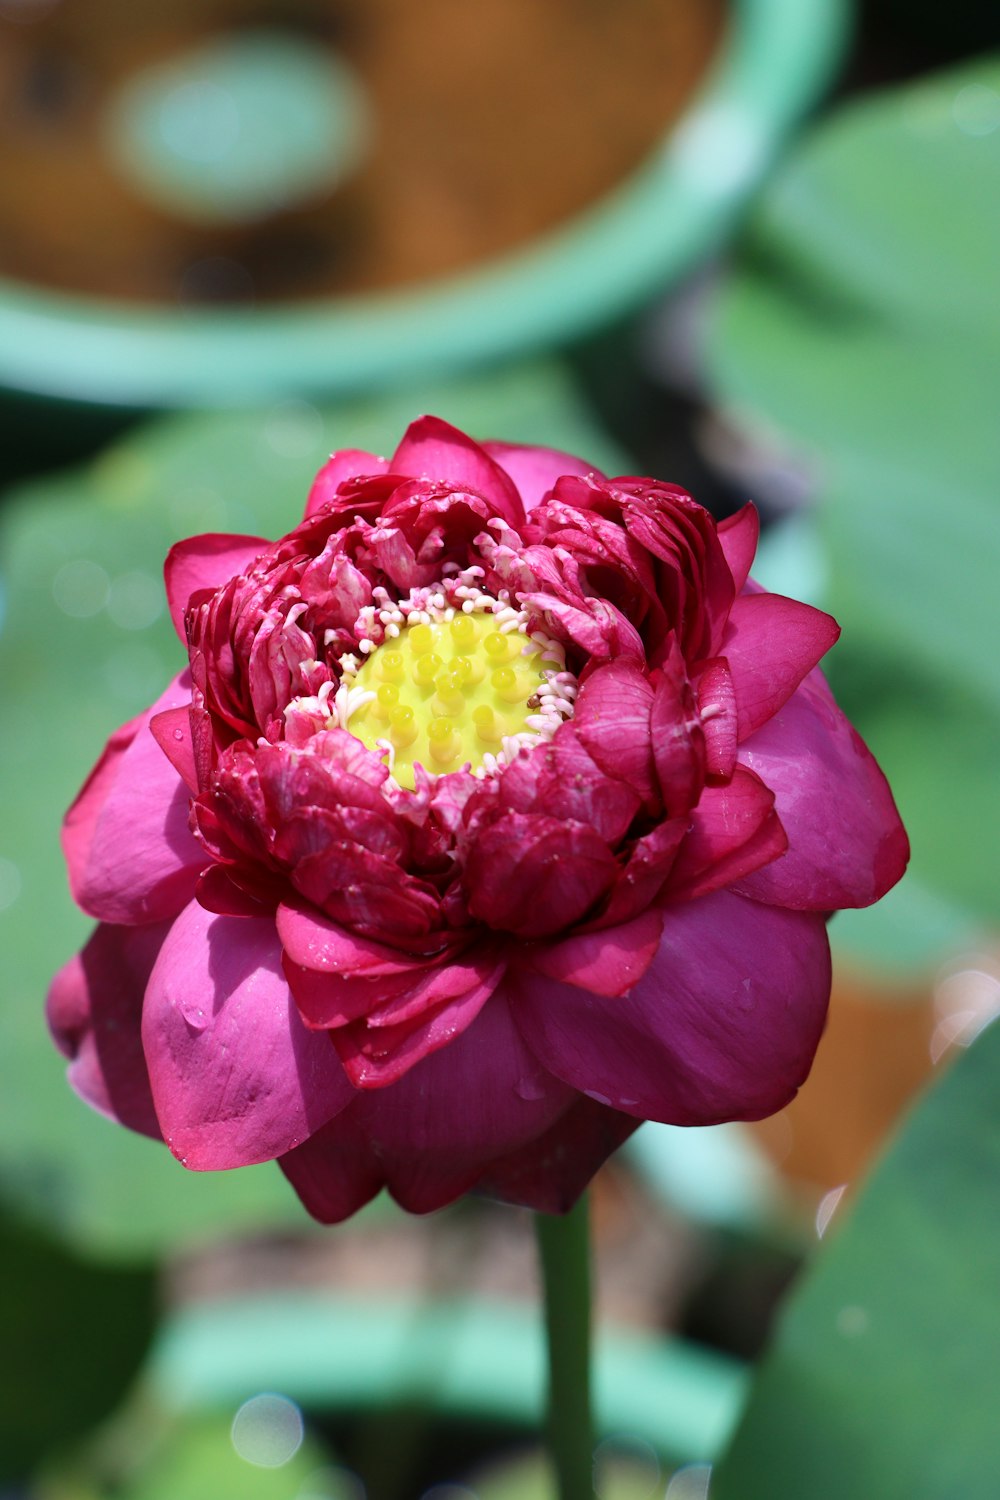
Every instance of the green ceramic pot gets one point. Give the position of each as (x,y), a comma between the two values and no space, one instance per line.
(776,57)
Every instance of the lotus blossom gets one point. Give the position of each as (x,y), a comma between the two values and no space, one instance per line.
(494,812)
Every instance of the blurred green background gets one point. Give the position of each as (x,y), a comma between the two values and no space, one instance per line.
(811,321)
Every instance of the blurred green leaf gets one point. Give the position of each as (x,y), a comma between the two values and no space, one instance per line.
(197,1458)
(479,1359)
(883,1379)
(891,207)
(86,644)
(73,1335)
(861,326)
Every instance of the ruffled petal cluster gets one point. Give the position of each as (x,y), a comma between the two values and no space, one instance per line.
(484,974)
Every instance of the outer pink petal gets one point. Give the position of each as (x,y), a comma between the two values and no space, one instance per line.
(205,562)
(433,1133)
(549,1174)
(738,536)
(432,449)
(335,1172)
(535,470)
(236,1077)
(132,857)
(846,844)
(94,1009)
(734,829)
(723,1026)
(347,463)
(772,643)
(81,820)
(608,962)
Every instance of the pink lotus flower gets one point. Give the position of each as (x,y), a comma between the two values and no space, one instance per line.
(495,813)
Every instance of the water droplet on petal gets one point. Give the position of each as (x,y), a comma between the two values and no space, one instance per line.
(530,1089)
(195,1015)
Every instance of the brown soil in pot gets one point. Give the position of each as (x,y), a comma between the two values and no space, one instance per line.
(494,121)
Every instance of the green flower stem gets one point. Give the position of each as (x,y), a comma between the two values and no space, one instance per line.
(564,1253)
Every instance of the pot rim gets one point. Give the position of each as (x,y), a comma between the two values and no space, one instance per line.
(775,59)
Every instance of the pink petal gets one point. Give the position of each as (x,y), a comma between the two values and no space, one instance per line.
(432,449)
(772,643)
(535,470)
(332,1000)
(608,962)
(535,875)
(316,942)
(718,716)
(723,1025)
(645,871)
(205,562)
(563,780)
(335,1172)
(326,1001)
(738,536)
(219,894)
(236,1077)
(549,1174)
(172,732)
(846,844)
(434,1132)
(612,720)
(347,463)
(94,1009)
(677,737)
(449,1000)
(132,858)
(734,830)
(78,827)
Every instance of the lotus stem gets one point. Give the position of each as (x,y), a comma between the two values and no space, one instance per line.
(564,1255)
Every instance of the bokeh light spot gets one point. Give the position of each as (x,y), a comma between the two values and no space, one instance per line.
(135,600)
(828,1207)
(690,1483)
(626,1453)
(976,109)
(267,1431)
(852,1321)
(81,588)
(10,883)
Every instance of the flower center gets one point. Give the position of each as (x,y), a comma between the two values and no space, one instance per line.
(472,689)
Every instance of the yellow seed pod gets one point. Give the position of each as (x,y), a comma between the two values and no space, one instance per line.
(487,726)
(389,664)
(497,647)
(450,688)
(471,669)
(444,740)
(402,726)
(421,639)
(463,632)
(426,668)
(505,684)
